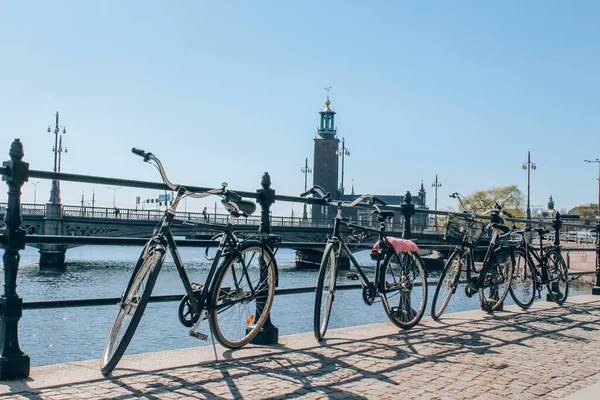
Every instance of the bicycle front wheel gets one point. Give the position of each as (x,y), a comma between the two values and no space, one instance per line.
(403,288)
(242,295)
(522,285)
(325,291)
(447,284)
(497,276)
(131,307)
(558,280)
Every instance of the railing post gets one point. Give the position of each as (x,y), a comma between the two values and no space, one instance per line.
(269,334)
(408,210)
(13,362)
(596,288)
(557,225)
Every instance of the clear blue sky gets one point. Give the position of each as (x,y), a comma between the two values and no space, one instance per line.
(223,91)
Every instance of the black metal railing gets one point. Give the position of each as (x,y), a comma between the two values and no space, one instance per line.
(15,364)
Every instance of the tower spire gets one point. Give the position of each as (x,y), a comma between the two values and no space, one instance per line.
(327,128)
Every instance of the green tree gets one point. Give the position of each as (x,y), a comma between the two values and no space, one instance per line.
(509,197)
(586,211)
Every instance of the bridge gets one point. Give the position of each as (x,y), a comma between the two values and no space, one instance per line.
(85,221)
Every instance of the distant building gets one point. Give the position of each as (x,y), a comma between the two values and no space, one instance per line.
(326,174)
(325,167)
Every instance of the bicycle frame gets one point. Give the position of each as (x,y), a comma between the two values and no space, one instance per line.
(538,258)
(164,237)
(469,254)
(341,244)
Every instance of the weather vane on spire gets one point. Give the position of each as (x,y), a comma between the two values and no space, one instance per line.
(328,89)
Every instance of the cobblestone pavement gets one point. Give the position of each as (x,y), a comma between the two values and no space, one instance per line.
(542,353)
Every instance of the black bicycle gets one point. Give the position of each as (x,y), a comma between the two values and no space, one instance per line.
(535,268)
(238,292)
(400,279)
(492,277)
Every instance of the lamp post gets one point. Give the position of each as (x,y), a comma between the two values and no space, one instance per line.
(596,288)
(528,166)
(114,189)
(35,192)
(342,153)
(305,171)
(57,150)
(437,184)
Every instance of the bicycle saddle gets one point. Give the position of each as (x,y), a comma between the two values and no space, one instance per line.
(245,206)
(383,215)
(501,228)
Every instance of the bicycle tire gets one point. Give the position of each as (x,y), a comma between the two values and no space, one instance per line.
(496,279)
(448,281)
(238,314)
(326,285)
(557,275)
(523,283)
(142,281)
(403,279)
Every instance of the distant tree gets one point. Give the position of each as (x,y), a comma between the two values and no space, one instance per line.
(509,197)
(586,211)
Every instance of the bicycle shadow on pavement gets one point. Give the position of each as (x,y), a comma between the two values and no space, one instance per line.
(443,356)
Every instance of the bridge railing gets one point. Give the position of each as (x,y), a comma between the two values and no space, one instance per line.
(14,363)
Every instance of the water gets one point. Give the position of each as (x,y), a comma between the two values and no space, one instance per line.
(53,336)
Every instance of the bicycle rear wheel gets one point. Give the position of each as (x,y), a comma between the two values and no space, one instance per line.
(558,280)
(496,280)
(325,291)
(131,307)
(522,285)
(403,288)
(447,284)
(242,294)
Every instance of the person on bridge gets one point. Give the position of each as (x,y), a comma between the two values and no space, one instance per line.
(205,215)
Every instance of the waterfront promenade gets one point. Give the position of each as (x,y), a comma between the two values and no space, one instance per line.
(547,352)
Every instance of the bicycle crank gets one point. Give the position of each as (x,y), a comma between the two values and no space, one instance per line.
(185,313)
(368,296)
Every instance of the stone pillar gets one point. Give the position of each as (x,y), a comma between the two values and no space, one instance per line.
(53,255)
(269,334)
(13,362)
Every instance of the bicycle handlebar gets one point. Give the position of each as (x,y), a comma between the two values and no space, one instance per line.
(218,191)
(378,200)
(326,196)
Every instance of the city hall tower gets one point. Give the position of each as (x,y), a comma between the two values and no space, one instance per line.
(325,168)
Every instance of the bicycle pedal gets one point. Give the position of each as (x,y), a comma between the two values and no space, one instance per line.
(199,335)
(352,276)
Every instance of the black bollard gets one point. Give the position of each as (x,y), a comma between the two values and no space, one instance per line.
(269,334)
(408,210)
(556,225)
(13,362)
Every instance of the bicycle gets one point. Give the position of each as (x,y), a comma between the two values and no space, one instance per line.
(399,272)
(492,279)
(240,285)
(537,267)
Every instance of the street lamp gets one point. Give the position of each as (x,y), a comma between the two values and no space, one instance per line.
(437,184)
(114,189)
(528,166)
(596,289)
(34,192)
(57,150)
(342,153)
(305,171)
